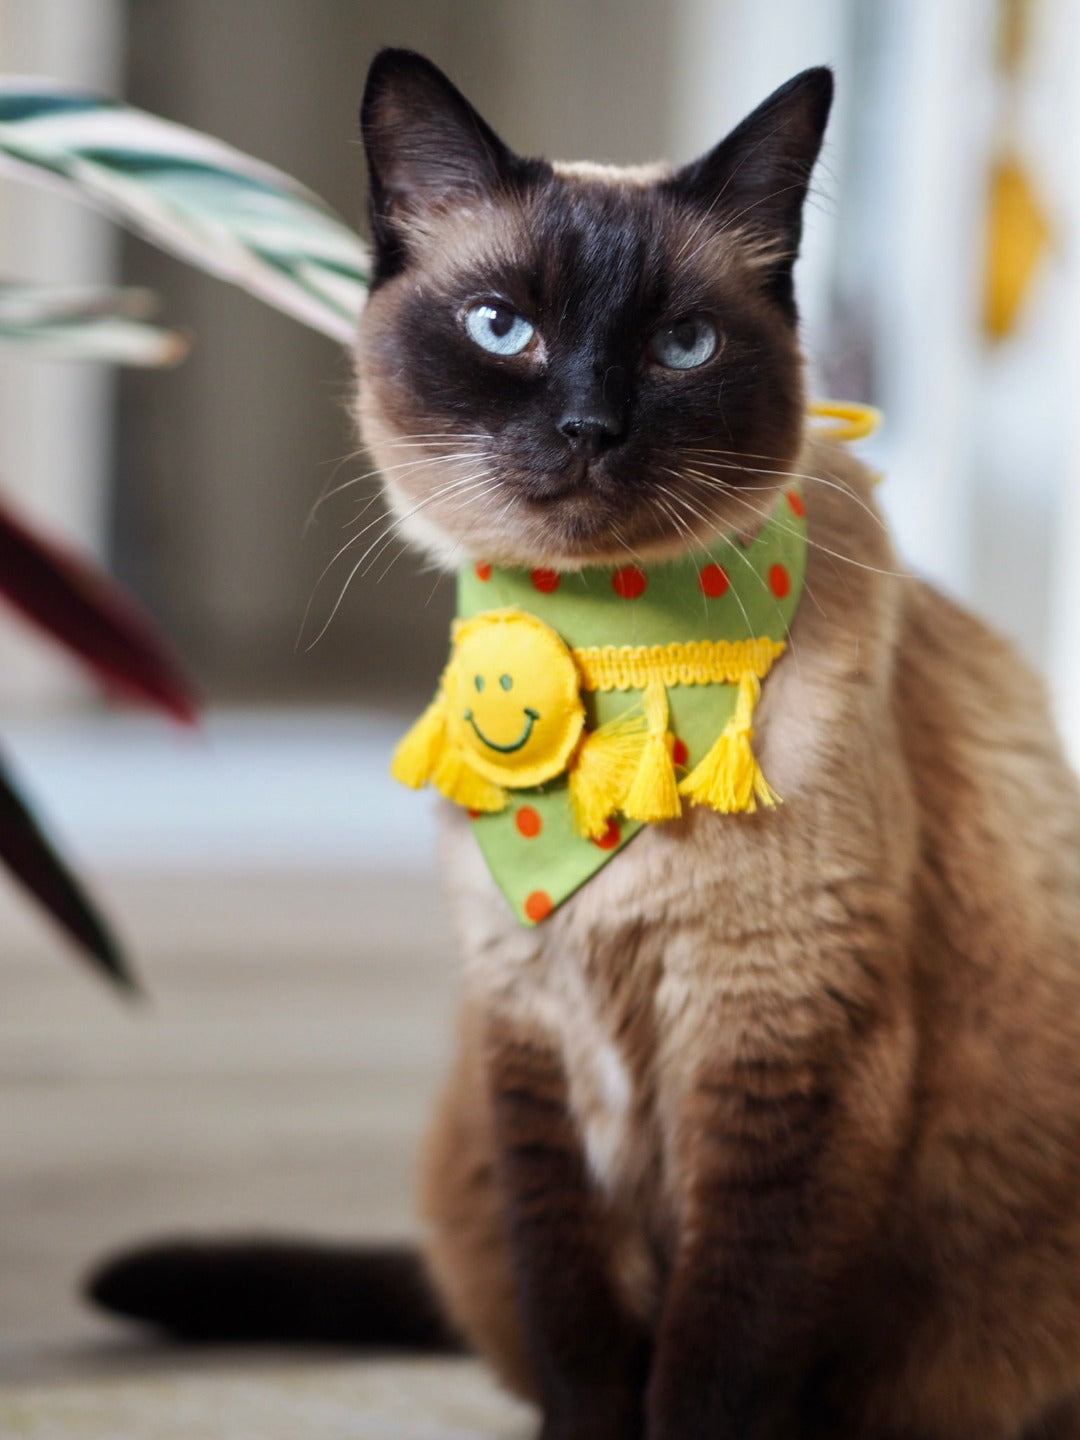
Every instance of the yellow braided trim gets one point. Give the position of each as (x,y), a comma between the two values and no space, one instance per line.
(689,662)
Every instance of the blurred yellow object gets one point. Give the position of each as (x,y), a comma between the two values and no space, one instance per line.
(853,421)
(1018,233)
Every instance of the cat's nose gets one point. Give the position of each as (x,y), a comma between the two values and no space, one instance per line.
(590,430)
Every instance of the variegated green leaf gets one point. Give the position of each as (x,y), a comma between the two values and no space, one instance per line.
(189,193)
(72,324)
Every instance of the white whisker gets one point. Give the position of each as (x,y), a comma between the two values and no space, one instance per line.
(737,492)
(831,481)
(457,487)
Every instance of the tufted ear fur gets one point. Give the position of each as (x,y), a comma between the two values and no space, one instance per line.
(425,145)
(757,177)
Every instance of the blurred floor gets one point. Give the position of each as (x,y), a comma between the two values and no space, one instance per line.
(282,790)
(441,1400)
(277,1078)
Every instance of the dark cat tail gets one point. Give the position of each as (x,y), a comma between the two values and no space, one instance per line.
(277,1290)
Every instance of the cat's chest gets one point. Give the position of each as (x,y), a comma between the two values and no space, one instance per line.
(601,1008)
(610,978)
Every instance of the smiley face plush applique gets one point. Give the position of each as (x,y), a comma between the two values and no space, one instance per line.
(508,714)
(513,698)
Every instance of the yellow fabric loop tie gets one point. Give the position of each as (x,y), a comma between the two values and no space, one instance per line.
(853,421)
(682,662)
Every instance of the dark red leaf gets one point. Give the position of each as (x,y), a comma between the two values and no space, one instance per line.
(27,853)
(77,603)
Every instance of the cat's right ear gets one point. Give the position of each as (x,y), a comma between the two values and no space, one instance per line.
(425,145)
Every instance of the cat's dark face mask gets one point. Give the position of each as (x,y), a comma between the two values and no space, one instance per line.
(566,364)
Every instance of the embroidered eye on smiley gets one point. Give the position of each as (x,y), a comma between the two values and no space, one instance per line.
(515,705)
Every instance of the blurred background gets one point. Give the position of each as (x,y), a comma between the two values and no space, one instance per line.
(198,487)
(272,837)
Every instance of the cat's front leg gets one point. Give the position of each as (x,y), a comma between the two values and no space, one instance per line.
(590,1355)
(784,1156)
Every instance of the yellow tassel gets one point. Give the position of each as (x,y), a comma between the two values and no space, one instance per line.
(603,770)
(654,791)
(729,778)
(459,782)
(420,748)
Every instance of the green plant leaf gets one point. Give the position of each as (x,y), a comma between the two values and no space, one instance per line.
(210,204)
(58,323)
(31,858)
(79,605)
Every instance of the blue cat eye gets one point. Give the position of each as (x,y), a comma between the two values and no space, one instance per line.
(686,344)
(498,329)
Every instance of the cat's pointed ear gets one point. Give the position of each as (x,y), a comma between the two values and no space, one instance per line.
(757,177)
(425,144)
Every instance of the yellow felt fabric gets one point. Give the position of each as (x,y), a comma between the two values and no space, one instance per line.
(514,710)
(852,420)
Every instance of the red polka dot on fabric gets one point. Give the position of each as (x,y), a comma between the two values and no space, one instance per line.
(779,581)
(545,581)
(610,838)
(528,822)
(483,570)
(629,582)
(795,500)
(713,580)
(538,905)
(679,752)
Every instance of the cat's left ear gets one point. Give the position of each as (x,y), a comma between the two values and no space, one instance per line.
(757,177)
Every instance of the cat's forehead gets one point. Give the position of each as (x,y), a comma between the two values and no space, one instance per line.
(584,232)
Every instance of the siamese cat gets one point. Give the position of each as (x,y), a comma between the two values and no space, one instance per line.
(772,1129)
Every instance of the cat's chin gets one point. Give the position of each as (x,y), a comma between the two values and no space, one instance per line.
(583,528)
(558,535)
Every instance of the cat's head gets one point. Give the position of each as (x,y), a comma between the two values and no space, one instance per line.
(563,364)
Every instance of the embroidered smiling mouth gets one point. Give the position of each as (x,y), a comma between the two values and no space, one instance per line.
(531,717)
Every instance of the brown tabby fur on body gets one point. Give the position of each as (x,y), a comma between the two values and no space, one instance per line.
(774,1127)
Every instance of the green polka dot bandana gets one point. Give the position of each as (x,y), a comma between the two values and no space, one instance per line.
(499,694)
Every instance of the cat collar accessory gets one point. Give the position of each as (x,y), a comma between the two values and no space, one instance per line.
(578,706)
(510,715)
